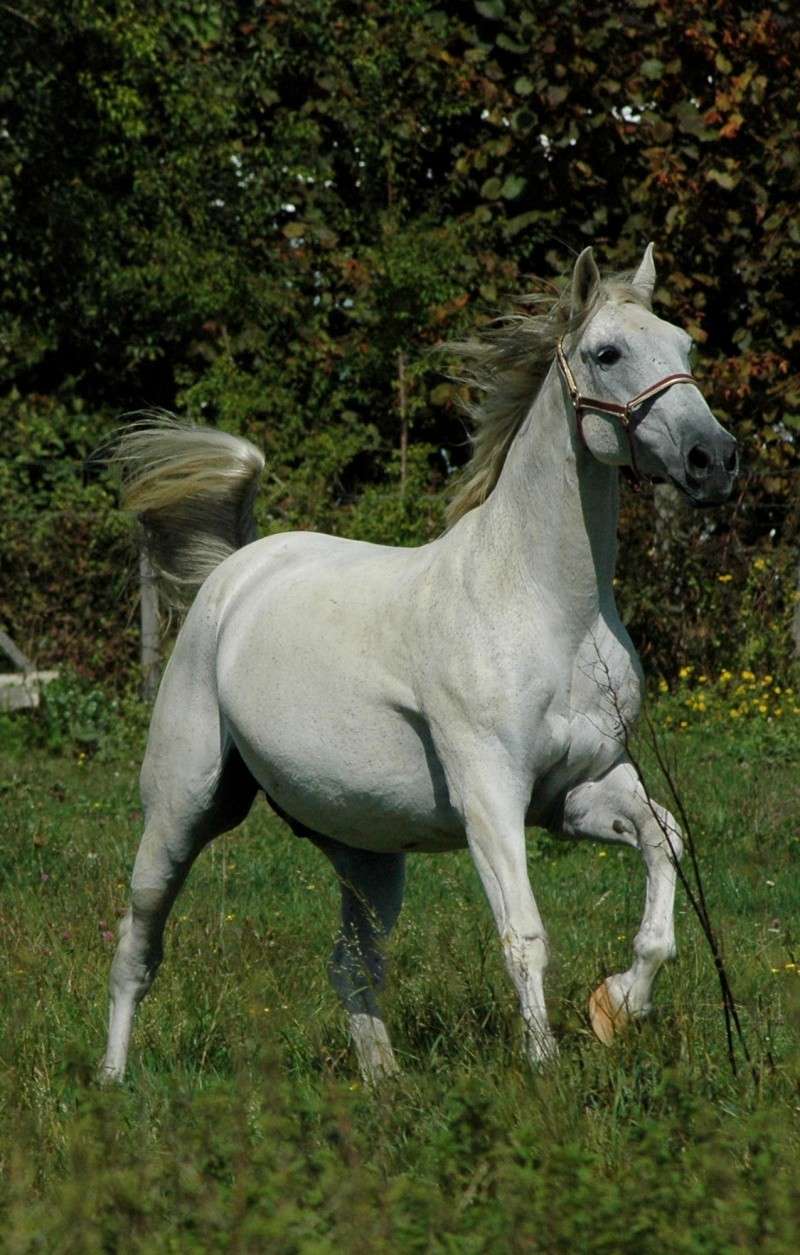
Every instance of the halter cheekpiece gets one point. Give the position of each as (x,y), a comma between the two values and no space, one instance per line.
(625,413)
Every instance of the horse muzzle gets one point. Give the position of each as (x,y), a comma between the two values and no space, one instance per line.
(710,467)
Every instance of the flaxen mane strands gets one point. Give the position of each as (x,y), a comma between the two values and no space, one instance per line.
(504,365)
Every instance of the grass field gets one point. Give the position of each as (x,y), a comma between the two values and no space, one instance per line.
(243,1125)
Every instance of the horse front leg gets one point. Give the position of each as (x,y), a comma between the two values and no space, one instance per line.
(496,838)
(616,808)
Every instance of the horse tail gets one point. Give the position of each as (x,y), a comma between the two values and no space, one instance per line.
(192,490)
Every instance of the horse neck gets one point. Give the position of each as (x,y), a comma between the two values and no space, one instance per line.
(550,525)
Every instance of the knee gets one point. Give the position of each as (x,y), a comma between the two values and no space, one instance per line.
(526,952)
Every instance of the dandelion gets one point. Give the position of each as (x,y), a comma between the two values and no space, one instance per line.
(685,672)
(759,564)
(748,675)
(725,676)
(790,967)
(725,579)
(602,853)
(663,687)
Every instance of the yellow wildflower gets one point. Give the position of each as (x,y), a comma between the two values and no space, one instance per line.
(685,672)
(759,564)
(748,675)
(725,579)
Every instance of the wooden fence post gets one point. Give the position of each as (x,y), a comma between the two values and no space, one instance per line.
(402,406)
(150,648)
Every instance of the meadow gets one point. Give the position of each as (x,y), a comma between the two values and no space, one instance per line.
(243,1124)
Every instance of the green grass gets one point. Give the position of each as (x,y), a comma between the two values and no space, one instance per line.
(243,1124)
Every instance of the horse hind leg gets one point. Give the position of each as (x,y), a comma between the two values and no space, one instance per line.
(184,812)
(372,895)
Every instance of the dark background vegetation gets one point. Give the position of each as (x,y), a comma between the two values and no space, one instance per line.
(263,215)
(244,212)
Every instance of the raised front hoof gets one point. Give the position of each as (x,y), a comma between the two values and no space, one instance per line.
(608,1013)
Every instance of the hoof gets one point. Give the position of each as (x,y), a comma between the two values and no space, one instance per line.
(108,1079)
(608,1017)
(541,1049)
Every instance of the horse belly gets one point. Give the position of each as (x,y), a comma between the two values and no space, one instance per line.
(325,740)
(376,791)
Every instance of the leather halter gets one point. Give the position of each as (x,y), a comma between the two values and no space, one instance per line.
(625,413)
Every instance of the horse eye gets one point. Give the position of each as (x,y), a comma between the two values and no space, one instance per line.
(608,355)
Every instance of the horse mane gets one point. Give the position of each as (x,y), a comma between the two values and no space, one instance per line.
(503,366)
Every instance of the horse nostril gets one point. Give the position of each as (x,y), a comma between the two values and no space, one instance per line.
(698,459)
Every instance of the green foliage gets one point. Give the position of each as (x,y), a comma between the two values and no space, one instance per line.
(66,554)
(764,713)
(243,1124)
(76,715)
(697,590)
(77,718)
(247,212)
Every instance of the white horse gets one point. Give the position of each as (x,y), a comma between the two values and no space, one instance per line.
(390,700)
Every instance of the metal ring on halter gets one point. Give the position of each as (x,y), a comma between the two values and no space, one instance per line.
(622,412)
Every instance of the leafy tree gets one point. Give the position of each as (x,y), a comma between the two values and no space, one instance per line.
(266,213)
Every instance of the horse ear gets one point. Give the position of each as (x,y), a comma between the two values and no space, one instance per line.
(645,278)
(585,281)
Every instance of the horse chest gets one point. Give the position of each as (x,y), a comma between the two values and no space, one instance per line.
(601,703)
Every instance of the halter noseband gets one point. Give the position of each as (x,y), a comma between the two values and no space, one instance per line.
(623,412)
